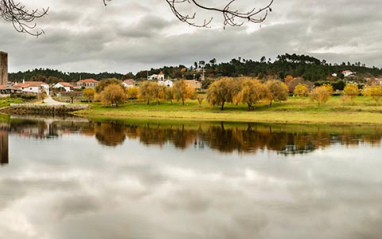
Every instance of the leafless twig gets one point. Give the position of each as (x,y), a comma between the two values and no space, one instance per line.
(21,18)
(255,15)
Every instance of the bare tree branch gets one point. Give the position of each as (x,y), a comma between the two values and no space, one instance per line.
(230,15)
(21,18)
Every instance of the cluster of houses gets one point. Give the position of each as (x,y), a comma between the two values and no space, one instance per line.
(38,87)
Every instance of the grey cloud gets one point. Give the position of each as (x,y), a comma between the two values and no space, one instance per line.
(136,35)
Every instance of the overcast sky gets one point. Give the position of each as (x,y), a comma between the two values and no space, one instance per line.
(140,34)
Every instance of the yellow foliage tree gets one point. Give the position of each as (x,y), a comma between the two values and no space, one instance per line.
(221,92)
(132,92)
(182,91)
(251,91)
(89,94)
(320,94)
(113,94)
(374,91)
(351,91)
(148,91)
(301,90)
(278,90)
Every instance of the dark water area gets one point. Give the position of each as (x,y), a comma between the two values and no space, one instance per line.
(76,178)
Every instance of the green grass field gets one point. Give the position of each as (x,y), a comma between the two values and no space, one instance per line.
(361,112)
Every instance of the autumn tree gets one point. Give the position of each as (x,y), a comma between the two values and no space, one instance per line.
(251,92)
(288,79)
(220,92)
(148,91)
(278,90)
(182,91)
(169,94)
(351,91)
(301,90)
(113,94)
(320,94)
(89,94)
(374,91)
(105,82)
(132,92)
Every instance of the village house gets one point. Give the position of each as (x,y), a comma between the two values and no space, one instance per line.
(87,83)
(64,85)
(167,83)
(128,83)
(348,73)
(160,76)
(36,87)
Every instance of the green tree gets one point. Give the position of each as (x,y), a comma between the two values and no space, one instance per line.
(113,94)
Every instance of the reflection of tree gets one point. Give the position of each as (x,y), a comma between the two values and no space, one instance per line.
(4,157)
(110,134)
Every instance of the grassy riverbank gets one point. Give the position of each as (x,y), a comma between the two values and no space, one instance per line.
(363,111)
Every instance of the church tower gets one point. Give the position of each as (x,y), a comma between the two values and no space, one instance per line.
(3,68)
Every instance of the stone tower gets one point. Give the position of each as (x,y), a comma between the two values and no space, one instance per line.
(3,68)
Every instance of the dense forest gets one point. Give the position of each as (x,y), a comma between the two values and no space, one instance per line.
(307,67)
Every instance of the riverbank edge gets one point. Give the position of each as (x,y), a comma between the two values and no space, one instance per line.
(303,118)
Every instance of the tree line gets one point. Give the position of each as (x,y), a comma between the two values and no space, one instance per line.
(306,67)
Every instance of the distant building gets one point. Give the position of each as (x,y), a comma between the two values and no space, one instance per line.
(348,73)
(128,83)
(167,83)
(334,74)
(160,76)
(87,83)
(3,68)
(32,87)
(64,85)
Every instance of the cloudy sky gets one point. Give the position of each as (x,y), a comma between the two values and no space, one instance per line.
(139,34)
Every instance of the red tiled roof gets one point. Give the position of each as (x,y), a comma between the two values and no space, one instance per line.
(161,73)
(66,84)
(30,84)
(88,81)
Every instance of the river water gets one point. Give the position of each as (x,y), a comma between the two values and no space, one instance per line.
(75,178)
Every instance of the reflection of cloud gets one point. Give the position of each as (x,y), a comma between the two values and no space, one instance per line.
(74,187)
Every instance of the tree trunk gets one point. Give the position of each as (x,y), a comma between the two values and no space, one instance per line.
(222,108)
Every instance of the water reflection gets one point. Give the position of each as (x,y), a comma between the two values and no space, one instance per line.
(4,157)
(76,178)
(223,137)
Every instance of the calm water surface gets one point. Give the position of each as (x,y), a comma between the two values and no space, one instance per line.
(78,179)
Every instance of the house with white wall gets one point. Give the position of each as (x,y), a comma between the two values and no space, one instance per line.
(36,87)
(167,83)
(128,83)
(64,85)
(160,76)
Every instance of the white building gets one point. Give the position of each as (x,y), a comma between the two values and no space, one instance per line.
(167,83)
(128,83)
(160,76)
(348,73)
(64,85)
(33,87)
